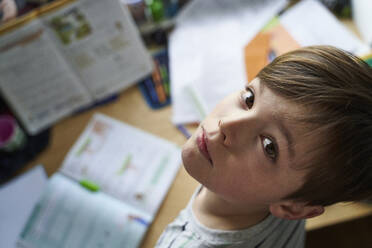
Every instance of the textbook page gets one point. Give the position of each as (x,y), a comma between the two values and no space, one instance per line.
(129,164)
(102,44)
(35,80)
(69,216)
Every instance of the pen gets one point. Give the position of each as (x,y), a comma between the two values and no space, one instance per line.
(138,219)
(183,131)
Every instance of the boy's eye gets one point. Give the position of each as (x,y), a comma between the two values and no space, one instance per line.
(269,148)
(248,98)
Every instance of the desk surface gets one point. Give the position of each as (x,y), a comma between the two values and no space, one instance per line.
(132,109)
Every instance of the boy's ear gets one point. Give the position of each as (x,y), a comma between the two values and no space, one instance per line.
(293,210)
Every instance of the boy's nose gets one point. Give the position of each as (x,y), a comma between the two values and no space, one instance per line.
(236,129)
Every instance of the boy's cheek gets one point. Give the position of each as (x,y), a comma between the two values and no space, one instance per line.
(189,160)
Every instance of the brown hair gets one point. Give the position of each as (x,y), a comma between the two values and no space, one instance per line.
(336,88)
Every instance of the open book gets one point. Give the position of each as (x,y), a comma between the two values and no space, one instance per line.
(68,55)
(126,173)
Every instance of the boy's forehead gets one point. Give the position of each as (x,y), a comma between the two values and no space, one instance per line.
(287,116)
(255,81)
(281,108)
(304,141)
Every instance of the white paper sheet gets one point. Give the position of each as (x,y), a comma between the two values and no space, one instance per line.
(310,23)
(18,198)
(207,51)
(362,18)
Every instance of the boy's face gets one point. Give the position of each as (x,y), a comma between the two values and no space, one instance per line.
(244,150)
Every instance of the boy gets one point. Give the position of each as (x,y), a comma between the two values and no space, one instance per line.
(296,139)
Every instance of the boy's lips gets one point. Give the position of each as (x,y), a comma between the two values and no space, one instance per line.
(202,142)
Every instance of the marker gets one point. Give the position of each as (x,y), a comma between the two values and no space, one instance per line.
(89,185)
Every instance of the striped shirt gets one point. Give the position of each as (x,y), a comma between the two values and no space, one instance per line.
(187,232)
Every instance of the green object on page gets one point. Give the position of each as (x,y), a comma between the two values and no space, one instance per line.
(89,185)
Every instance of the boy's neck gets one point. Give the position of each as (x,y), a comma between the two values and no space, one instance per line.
(216,213)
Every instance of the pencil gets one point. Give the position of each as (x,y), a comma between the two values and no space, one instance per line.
(158,84)
(164,75)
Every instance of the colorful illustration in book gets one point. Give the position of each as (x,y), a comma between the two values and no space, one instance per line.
(70,26)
